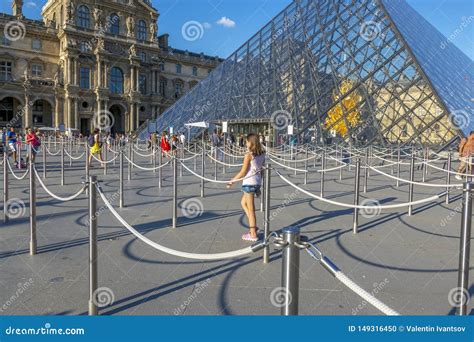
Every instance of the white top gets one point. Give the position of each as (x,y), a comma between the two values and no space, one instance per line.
(254,175)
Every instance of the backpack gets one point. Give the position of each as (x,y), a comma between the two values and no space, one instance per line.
(90,141)
(36,143)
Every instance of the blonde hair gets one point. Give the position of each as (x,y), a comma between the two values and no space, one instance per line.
(255,147)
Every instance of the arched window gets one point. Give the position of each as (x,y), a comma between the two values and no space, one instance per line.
(114,24)
(116,81)
(141,30)
(83,17)
(195,71)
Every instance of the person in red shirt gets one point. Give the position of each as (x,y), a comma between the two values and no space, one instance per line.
(165,145)
(32,140)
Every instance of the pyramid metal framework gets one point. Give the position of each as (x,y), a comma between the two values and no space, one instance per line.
(361,71)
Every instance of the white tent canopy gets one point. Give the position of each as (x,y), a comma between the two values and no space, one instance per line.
(201,124)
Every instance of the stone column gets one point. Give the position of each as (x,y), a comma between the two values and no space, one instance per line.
(76,113)
(76,72)
(137,113)
(99,74)
(56,111)
(27,117)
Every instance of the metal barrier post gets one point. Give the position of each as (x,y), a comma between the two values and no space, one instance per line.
(224,156)
(87,166)
(262,195)
(62,163)
(290,272)
(423,166)
(342,160)
(93,272)
(175,192)
(203,155)
(465,248)
(323,167)
(366,169)
(355,225)
(266,215)
(121,178)
(5,186)
(306,167)
(105,160)
(215,163)
(411,185)
(448,177)
(398,167)
(129,166)
(44,161)
(153,158)
(31,166)
(160,170)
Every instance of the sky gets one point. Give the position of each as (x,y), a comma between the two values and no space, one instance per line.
(219,27)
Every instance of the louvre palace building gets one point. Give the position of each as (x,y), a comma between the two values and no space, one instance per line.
(90,62)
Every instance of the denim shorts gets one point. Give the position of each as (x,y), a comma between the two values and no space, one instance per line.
(251,189)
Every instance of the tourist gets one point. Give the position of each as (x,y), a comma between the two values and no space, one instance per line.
(11,138)
(164,144)
(174,145)
(251,184)
(241,141)
(96,147)
(466,150)
(34,142)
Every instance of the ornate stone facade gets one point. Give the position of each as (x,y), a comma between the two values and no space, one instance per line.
(91,63)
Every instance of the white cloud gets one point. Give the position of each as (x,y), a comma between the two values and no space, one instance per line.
(206,25)
(31,4)
(226,22)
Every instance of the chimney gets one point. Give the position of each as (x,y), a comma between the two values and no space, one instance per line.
(17,8)
(163,41)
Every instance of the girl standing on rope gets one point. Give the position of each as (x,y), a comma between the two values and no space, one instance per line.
(251,170)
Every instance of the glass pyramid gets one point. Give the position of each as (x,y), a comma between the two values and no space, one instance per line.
(359,71)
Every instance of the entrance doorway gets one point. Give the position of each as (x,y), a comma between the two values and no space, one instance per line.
(85,127)
(118,117)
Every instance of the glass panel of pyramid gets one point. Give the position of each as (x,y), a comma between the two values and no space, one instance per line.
(358,71)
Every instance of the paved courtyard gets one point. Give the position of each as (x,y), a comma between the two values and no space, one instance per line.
(409,263)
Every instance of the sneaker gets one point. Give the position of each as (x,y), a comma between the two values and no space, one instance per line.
(458,177)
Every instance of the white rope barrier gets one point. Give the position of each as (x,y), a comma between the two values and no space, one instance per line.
(74,158)
(222,163)
(417,183)
(157,246)
(353,206)
(147,168)
(59,198)
(287,167)
(51,153)
(13,172)
(104,161)
(215,181)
